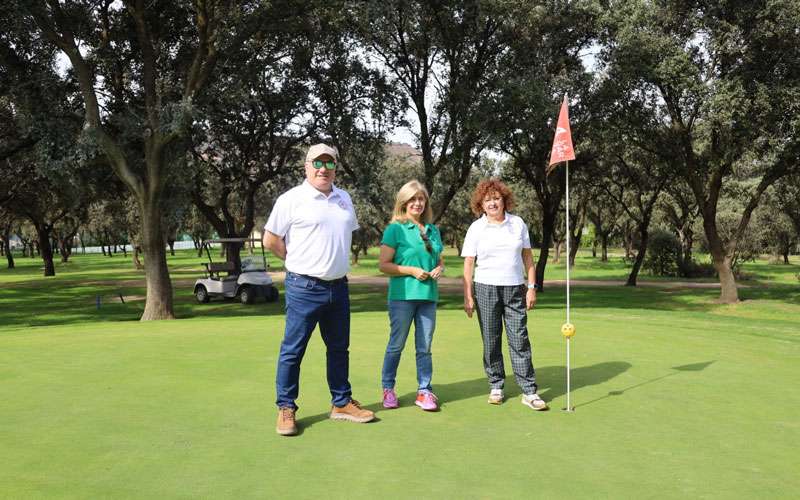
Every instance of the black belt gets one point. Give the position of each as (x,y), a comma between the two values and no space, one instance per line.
(343,279)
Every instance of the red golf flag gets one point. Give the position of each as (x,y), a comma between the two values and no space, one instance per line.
(562,142)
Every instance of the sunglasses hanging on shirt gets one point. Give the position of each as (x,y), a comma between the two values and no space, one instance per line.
(426,240)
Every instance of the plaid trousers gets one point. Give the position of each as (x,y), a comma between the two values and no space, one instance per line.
(494,305)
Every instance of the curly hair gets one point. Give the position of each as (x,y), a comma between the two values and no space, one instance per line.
(487,187)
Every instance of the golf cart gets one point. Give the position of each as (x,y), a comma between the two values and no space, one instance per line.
(247,283)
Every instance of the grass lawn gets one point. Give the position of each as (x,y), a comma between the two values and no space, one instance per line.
(675,396)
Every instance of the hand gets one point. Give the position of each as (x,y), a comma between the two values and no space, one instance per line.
(530,298)
(421,274)
(469,306)
(436,273)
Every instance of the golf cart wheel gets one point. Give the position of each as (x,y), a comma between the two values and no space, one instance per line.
(272,294)
(201,294)
(246,295)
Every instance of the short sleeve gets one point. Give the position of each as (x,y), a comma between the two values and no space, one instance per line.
(280,217)
(390,236)
(436,236)
(470,246)
(352,209)
(526,237)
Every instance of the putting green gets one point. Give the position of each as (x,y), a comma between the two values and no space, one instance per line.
(675,397)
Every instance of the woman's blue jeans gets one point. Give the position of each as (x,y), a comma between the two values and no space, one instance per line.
(401,314)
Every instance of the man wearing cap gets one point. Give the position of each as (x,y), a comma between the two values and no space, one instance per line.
(311,227)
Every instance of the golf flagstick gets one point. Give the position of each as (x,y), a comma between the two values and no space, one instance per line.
(569,236)
(563,151)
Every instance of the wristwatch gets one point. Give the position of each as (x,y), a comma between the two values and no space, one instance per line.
(533,286)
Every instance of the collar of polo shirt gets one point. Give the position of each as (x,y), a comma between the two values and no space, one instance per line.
(314,192)
(506,218)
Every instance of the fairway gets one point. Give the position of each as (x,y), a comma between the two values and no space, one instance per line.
(676,396)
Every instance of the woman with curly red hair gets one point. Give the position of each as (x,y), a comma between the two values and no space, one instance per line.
(496,251)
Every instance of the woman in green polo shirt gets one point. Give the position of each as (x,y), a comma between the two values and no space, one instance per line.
(411,253)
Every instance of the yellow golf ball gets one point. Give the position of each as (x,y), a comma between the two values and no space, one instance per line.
(568,330)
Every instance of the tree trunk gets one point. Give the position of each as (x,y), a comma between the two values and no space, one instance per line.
(171,244)
(137,264)
(604,246)
(557,250)
(721,258)
(63,250)
(9,257)
(233,253)
(548,222)
(6,243)
(786,255)
(45,250)
(729,293)
(637,263)
(644,236)
(158,304)
(573,251)
(575,242)
(594,248)
(686,238)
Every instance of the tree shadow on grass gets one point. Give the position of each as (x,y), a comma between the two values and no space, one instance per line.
(694,367)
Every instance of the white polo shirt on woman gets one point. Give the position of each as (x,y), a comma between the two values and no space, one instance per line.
(497,249)
(318,230)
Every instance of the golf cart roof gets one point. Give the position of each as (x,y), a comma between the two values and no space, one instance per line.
(232,240)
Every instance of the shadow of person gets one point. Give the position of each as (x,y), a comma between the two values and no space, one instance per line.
(550,379)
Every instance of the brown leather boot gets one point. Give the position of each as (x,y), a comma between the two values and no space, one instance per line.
(353,412)
(286,424)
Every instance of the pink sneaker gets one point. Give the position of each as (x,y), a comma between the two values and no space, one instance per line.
(427,401)
(390,399)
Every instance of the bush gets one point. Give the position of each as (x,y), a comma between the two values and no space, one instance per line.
(663,254)
(698,270)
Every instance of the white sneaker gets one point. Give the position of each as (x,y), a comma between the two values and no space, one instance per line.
(496,397)
(534,401)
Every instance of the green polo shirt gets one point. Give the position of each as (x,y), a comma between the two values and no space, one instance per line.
(409,250)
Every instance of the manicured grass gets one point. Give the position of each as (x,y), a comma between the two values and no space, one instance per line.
(676,396)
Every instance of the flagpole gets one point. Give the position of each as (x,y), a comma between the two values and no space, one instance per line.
(569,407)
(563,151)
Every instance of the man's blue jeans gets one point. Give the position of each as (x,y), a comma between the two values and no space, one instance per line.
(310,302)
(401,314)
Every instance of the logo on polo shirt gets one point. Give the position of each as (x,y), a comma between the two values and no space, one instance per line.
(343,204)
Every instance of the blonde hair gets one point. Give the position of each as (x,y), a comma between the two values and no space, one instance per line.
(406,193)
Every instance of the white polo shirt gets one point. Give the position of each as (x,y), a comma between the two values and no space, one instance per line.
(498,250)
(317,229)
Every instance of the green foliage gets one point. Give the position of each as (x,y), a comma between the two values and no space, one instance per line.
(663,253)
(694,269)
